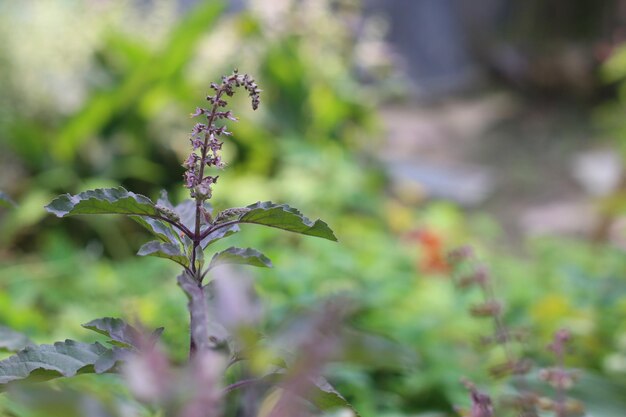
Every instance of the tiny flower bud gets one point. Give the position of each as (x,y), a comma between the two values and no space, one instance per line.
(198,112)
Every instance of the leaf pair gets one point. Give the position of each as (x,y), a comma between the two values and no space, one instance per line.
(120,201)
(163,218)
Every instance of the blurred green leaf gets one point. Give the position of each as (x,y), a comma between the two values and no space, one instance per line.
(30,212)
(326,397)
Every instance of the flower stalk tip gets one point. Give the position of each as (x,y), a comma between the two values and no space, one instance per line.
(206,137)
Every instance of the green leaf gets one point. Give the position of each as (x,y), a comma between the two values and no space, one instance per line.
(240,256)
(284,217)
(12,341)
(102,201)
(219,234)
(164,250)
(121,333)
(44,362)
(5,200)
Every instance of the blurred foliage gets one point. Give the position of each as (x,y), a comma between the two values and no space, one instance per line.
(92,93)
(120,121)
(610,114)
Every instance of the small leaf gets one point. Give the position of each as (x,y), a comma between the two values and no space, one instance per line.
(43,362)
(102,201)
(158,228)
(121,333)
(5,200)
(12,341)
(240,256)
(219,234)
(284,217)
(164,250)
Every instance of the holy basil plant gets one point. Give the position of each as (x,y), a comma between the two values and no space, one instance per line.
(183,233)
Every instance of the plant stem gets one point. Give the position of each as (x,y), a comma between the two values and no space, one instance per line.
(192,344)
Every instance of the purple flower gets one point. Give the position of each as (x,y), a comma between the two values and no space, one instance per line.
(191,160)
(198,112)
(196,142)
(198,128)
(190,179)
(204,136)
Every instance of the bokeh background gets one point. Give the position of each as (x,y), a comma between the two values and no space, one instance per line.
(410,126)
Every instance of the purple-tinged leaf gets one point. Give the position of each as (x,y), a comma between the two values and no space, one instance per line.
(121,333)
(240,256)
(44,362)
(102,201)
(283,217)
(158,228)
(164,250)
(219,234)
